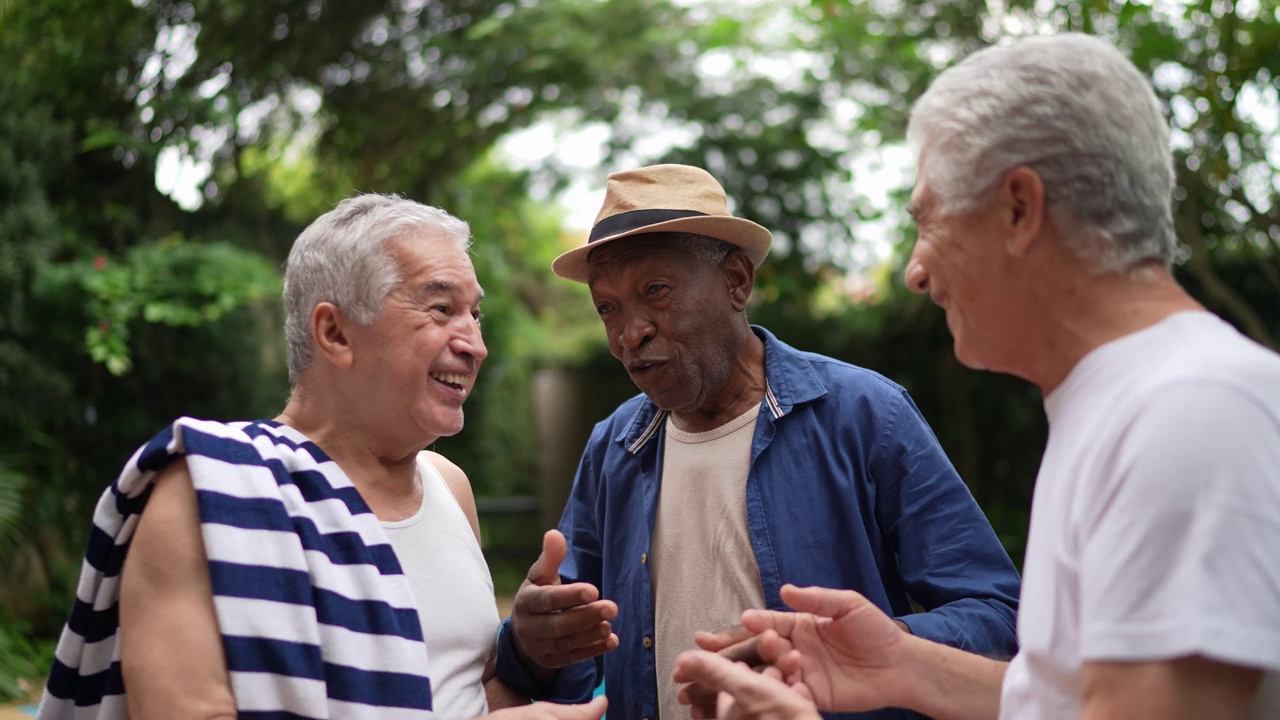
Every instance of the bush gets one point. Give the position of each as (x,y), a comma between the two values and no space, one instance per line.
(23,662)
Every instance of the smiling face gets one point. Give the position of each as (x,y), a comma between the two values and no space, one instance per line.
(672,319)
(959,260)
(418,360)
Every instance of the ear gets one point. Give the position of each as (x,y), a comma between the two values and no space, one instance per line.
(1022,196)
(328,329)
(739,276)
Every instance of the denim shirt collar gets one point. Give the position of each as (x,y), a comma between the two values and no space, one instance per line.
(789,381)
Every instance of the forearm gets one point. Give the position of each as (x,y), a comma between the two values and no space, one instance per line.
(950,684)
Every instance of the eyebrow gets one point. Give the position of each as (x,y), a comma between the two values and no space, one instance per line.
(442,286)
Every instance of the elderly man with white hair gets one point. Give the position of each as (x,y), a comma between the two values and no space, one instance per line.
(1151,584)
(321,564)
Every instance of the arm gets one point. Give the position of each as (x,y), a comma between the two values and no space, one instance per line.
(171,650)
(950,559)
(1191,688)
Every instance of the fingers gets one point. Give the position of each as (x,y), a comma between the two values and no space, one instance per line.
(711,670)
(546,569)
(587,652)
(761,621)
(772,647)
(543,599)
(555,639)
(721,639)
(744,652)
(824,602)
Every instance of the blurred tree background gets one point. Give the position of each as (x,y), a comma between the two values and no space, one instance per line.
(127,300)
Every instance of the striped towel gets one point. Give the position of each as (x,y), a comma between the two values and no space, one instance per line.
(317,618)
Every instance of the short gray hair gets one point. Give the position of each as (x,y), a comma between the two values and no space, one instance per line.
(342,258)
(704,248)
(1080,114)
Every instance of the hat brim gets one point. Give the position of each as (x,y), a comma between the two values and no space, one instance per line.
(753,239)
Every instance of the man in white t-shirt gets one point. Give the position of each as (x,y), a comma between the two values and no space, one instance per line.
(1152,574)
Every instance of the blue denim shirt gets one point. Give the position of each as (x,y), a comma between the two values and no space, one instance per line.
(847,488)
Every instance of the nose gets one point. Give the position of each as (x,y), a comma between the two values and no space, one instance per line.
(636,331)
(916,277)
(469,341)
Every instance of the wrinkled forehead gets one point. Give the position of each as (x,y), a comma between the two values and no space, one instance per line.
(620,255)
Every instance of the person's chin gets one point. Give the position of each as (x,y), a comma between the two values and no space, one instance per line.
(966,354)
(667,400)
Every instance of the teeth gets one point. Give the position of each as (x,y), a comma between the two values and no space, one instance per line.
(452,378)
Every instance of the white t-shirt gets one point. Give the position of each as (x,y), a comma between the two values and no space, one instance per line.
(1155,528)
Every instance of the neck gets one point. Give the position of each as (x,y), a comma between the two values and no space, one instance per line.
(1088,310)
(744,388)
(384,472)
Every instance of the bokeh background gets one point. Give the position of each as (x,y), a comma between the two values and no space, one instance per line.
(157,158)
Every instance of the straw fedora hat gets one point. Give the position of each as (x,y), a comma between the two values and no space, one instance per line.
(664,198)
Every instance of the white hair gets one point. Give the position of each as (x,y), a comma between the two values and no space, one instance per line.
(342,258)
(1081,115)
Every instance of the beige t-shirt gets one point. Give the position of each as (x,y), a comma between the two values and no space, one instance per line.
(703,570)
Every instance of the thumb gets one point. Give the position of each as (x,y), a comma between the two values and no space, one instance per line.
(823,602)
(712,671)
(546,569)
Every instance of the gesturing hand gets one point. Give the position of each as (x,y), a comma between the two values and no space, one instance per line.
(842,648)
(743,694)
(555,625)
(736,644)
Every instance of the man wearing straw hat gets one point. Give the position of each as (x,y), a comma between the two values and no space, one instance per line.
(745,464)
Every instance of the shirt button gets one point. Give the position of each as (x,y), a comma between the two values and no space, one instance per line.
(648,642)
(644,558)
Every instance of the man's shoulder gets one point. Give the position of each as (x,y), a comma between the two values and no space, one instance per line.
(845,379)
(262,443)
(836,376)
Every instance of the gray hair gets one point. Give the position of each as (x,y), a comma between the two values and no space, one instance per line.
(707,249)
(342,258)
(1079,113)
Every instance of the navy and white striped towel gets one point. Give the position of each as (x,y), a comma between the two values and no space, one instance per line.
(317,618)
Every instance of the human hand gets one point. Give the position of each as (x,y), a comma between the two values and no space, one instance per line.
(736,644)
(593,710)
(741,693)
(843,649)
(556,625)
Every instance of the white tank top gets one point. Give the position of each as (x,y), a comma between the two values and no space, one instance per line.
(454,590)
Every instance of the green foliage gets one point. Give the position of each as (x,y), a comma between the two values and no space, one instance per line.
(169,282)
(12,524)
(23,662)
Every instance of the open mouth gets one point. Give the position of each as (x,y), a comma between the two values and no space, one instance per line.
(642,368)
(455,381)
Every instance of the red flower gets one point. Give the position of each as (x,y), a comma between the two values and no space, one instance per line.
(100,263)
